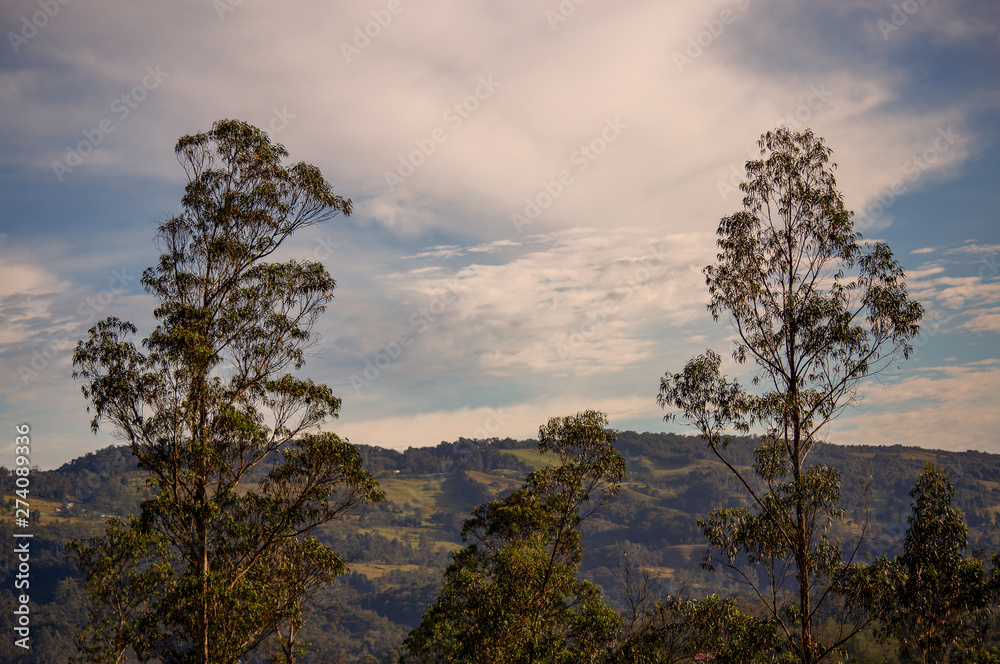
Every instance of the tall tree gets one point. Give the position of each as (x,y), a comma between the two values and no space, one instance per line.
(931,598)
(817,312)
(512,595)
(228,438)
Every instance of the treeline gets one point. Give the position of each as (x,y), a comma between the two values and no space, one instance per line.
(463,454)
(670,484)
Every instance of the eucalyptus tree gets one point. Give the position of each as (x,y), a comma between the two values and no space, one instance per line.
(512,594)
(229,439)
(817,311)
(932,599)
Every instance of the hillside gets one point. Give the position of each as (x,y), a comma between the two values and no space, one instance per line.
(398,548)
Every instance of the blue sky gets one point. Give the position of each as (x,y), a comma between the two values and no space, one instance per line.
(536,189)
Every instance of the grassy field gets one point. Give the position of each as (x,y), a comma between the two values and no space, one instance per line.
(532,457)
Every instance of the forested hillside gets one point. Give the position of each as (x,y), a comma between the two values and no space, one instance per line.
(398,548)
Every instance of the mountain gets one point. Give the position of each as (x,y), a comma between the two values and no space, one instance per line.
(399,547)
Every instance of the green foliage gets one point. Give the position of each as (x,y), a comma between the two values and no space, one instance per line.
(817,312)
(687,630)
(124,572)
(512,594)
(397,559)
(213,568)
(936,602)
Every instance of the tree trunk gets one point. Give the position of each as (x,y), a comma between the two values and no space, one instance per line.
(203,600)
(202,518)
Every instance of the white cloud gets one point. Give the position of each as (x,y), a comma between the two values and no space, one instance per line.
(945,407)
(981,250)
(556,306)
(555,93)
(924,271)
(984,320)
(576,302)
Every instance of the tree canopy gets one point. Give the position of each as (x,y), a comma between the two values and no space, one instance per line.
(512,594)
(931,598)
(208,406)
(816,311)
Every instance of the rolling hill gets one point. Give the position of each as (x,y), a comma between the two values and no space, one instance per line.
(399,547)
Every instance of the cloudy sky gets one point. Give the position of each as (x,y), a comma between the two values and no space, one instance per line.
(536,187)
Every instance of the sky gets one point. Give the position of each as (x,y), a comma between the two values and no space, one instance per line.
(536,188)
